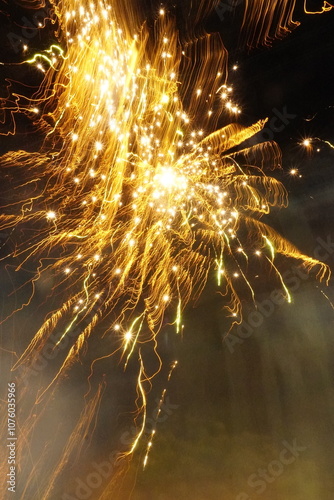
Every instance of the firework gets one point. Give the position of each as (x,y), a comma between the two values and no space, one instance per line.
(137,196)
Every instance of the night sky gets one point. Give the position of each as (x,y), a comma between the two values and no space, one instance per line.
(235,403)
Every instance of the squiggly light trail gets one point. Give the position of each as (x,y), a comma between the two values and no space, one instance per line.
(136,200)
(264,21)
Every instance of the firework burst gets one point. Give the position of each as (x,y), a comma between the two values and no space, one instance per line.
(137,195)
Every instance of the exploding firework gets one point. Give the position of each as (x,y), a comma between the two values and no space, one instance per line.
(143,188)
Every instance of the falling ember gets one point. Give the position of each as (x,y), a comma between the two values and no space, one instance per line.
(141,192)
(307,143)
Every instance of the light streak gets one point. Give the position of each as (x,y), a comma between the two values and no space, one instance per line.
(270,246)
(266,20)
(142,395)
(309,143)
(157,414)
(326,7)
(178,320)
